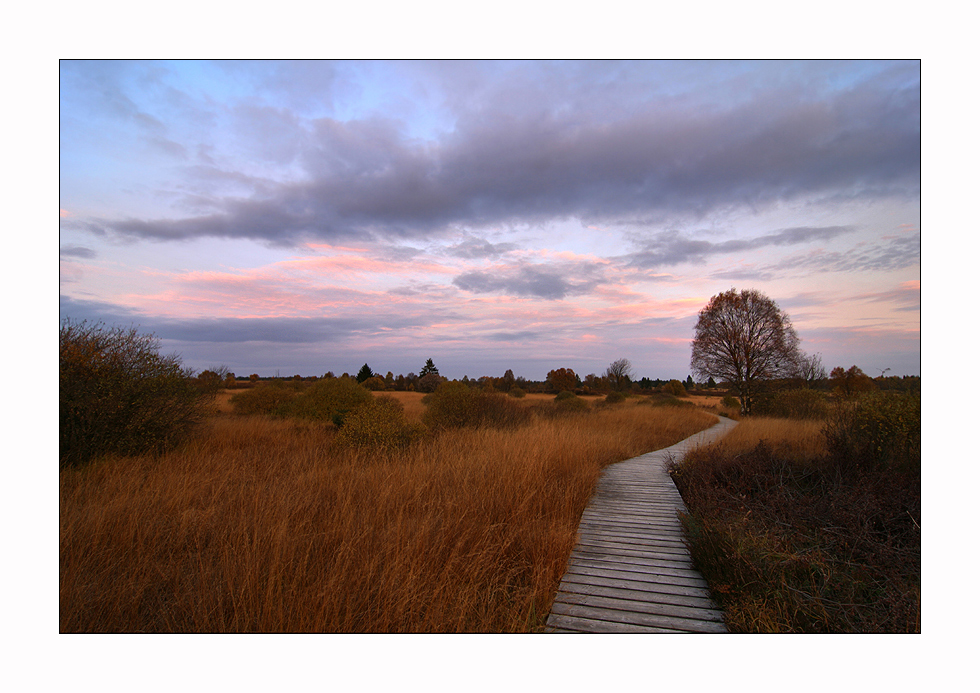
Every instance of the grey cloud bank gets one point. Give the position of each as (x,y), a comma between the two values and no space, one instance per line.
(543,159)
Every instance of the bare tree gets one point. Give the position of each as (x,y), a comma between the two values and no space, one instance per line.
(620,374)
(810,369)
(745,339)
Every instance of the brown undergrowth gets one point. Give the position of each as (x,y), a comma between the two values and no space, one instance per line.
(270,525)
(792,538)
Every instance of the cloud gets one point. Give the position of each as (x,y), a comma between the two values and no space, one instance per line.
(514,155)
(77,251)
(671,248)
(473,248)
(525,281)
(229,330)
(890,254)
(905,298)
(518,336)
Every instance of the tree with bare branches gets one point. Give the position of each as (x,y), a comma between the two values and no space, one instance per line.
(620,374)
(810,369)
(744,338)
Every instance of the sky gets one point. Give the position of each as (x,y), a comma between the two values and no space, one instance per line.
(303,217)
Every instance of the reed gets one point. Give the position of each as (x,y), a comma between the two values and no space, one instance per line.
(265,525)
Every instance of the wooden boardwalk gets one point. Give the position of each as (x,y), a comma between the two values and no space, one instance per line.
(630,571)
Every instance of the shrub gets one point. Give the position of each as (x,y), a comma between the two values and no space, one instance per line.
(379,424)
(615,397)
(117,394)
(789,545)
(569,403)
(455,405)
(329,400)
(878,428)
(272,398)
(675,388)
(793,404)
(516,392)
(374,383)
(663,399)
(729,402)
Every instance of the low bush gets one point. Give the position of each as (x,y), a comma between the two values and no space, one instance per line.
(455,405)
(516,392)
(876,429)
(266,398)
(661,399)
(615,397)
(729,402)
(793,404)
(374,383)
(117,394)
(569,403)
(675,388)
(329,400)
(380,425)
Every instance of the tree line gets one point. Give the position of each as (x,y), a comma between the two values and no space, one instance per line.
(118,394)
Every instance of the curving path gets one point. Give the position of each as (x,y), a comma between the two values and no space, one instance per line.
(630,571)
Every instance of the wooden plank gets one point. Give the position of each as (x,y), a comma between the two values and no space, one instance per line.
(688,578)
(626,619)
(662,583)
(560,623)
(670,528)
(667,592)
(632,543)
(673,535)
(609,548)
(569,585)
(649,540)
(632,505)
(640,607)
(619,555)
(631,523)
(640,518)
(662,568)
(634,535)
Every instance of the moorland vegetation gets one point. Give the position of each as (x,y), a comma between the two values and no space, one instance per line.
(211,503)
(323,507)
(807,517)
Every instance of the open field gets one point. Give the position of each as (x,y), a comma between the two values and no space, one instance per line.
(412,401)
(265,525)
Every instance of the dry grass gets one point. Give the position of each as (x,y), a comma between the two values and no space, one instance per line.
(222,401)
(412,401)
(791,541)
(793,438)
(259,525)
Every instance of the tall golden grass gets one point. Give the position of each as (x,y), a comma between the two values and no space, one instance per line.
(795,438)
(262,525)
